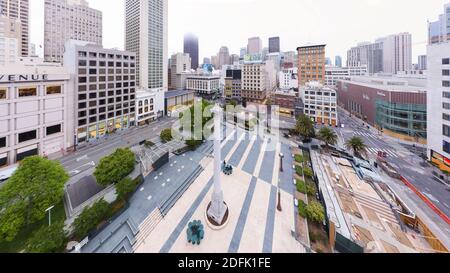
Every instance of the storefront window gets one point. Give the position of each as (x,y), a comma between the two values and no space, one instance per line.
(27,92)
(93,131)
(3,94)
(51,90)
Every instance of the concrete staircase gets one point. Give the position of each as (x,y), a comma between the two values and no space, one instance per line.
(147,227)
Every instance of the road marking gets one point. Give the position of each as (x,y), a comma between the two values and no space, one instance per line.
(445,204)
(168,180)
(149,197)
(82,158)
(156,177)
(163,185)
(142,189)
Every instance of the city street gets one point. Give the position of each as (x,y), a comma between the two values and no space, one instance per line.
(408,164)
(87,157)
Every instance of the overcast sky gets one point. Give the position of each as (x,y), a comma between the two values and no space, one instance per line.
(338,23)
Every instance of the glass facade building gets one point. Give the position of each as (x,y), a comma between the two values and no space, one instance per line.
(405,119)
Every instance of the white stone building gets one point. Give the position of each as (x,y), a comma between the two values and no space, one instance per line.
(69,20)
(320,103)
(35,115)
(148,106)
(203,85)
(438,104)
(288,78)
(333,74)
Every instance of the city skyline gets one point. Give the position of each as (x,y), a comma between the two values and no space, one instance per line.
(216,34)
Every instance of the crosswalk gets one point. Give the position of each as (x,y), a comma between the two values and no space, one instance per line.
(369,135)
(389,152)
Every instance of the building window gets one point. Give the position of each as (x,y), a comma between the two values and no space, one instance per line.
(446,147)
(446,130)
(2,142)
(446,106)
(445,83)
(51,90)
(446,117)
(27,92)
(446,61)
(51,130)
(27,136)
(446,72)
(3,94)
(23,155)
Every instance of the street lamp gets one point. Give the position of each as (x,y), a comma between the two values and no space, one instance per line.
(281,162)
(49,210)
(279,191)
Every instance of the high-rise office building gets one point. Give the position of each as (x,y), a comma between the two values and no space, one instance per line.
(422,62)
(366,54)
(179,63)
(338,61)
(274,45)
(18,10)
(146,26)
(254,46)
(105,89)
(439,31)
(69,20)
(397,52)
(242,52)
(191,48)
(224,56)
(311,62)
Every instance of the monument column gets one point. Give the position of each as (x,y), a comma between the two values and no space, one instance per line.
(217,208)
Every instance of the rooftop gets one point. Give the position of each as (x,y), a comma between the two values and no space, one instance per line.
(358,209)
(390,83)
(176,93)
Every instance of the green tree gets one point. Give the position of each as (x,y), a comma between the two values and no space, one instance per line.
(90,218)
(166,135)
(194,121)
(308,172)
(115,167)
(37,184)
(328,136)
(357,145)
(305,127)
(48,239)
(125,187)
(315,212)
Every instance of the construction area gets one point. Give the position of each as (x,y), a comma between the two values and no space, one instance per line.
(363,215)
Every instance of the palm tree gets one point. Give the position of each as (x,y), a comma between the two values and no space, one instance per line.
(357,145)
(328,136)
(305,127)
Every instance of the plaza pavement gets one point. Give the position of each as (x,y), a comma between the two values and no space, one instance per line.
(251,192)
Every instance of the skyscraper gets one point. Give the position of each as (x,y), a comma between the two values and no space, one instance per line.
(397,52)
(439,31)
(85,24)
(146,35)
(224,57)
(338,61)
(422,62)
(311,62)
(10,40)
(366,54)
(191,48)
(18,9)
(254,46)
(274,44)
